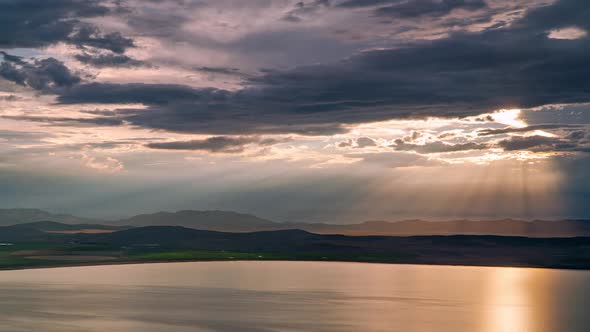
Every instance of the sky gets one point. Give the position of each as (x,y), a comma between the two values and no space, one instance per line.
(332,111)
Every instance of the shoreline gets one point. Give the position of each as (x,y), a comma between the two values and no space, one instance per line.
(114,263)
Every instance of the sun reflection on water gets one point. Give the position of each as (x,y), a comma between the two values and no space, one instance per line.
(509,303)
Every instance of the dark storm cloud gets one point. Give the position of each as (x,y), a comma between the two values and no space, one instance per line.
(563,13)
(150,94)
(365,3)
(464,74)
(70,122)
(107,113)
(184,109)
(10,73)
(507,130)
(568,114)
(44,75)
(220,71)
(39,23)
(572,138)
(162,19)
(223,144)
(88,35)
(574,141)
(108,60)
(545,144)
(415,9)
(533,143)
(303,9)
(418,8)
(11,58)
(577,135)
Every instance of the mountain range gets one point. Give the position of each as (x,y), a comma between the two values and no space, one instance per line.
(224,221)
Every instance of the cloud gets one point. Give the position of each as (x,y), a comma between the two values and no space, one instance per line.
(396,159)
(363,142)
(103,164)
(419,8)
(561,14)
(11,58)
(40,23)
(149,94)
(507,130)
(438,147)
(364,3)
(414,135)
(108,60)
(220,71)
(45,75)
(359,143)
(574,114)
(22,136)
(327,66)
(345,144)
(577,135)
(568,33)
(223,144)
(70,122)
(88,35)
(212,111)
(303,9)
(468,73)
(536,143)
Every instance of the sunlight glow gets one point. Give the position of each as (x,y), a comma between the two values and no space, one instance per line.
(510,117)
(541,133)
(567,33)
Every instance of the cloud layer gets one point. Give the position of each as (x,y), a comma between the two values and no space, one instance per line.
(465,74)
(376,100)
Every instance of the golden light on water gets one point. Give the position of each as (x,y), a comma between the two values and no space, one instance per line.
(508,302)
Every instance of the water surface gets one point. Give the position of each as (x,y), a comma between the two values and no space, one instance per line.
(294,296)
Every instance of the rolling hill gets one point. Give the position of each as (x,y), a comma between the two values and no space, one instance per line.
(166,243)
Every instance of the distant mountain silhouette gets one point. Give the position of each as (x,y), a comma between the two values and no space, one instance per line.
(206,220)
(47,231)
(53,226)
(19,216)
(225,221)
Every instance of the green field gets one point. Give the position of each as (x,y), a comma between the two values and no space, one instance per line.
(42,254)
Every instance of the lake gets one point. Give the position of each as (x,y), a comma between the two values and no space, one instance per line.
(294,296)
